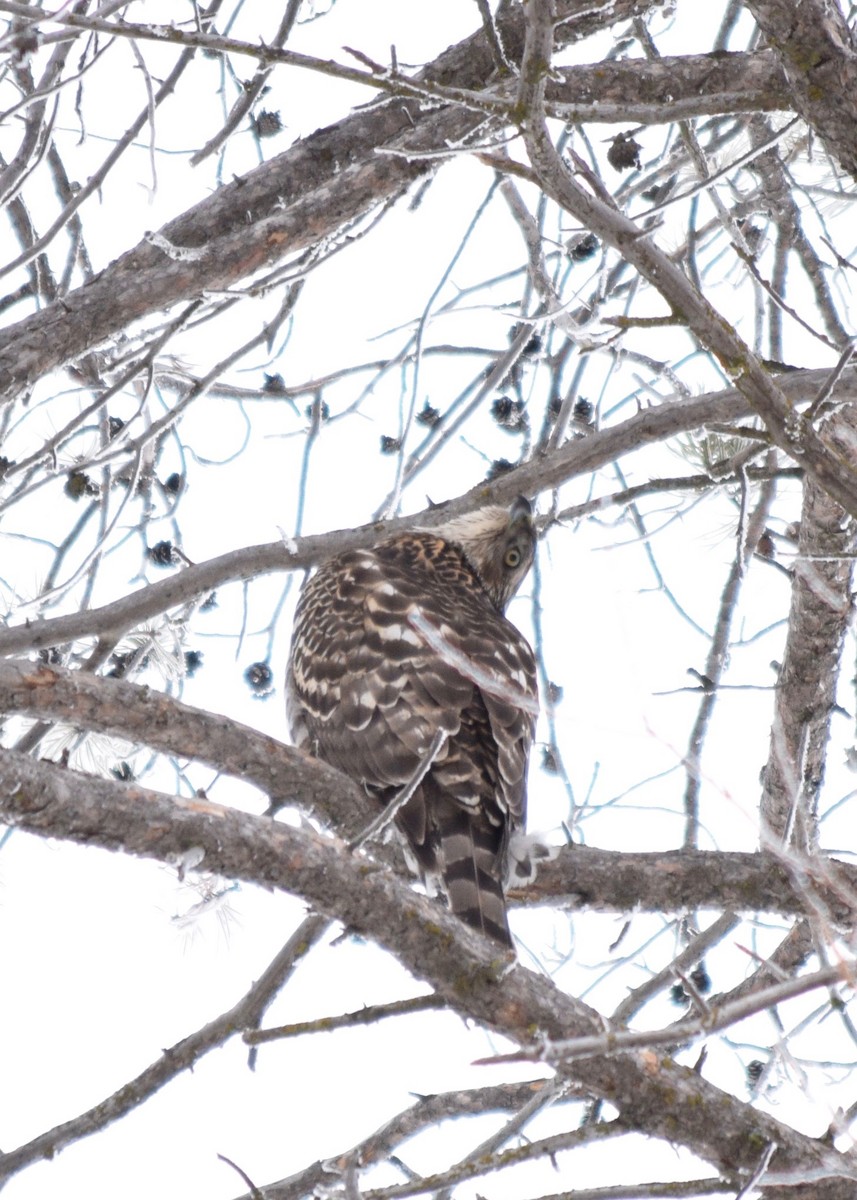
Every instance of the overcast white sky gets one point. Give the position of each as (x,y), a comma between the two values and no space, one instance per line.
(100,976)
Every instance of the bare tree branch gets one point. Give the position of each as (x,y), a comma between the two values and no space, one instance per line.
(318,188)
(575,457)
(678,881)
(821,610)
(178,1058)
(817,52)
(789,431)
(659,1098)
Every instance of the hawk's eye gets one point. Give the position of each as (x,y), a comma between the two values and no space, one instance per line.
(512,557)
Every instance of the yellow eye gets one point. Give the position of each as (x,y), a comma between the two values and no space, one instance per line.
(512,557)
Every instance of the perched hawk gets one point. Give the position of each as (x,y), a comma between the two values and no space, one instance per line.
(394,644)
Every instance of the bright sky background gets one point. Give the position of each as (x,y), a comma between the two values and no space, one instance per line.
(100,975)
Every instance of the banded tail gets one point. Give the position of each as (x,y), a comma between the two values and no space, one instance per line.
(471,866)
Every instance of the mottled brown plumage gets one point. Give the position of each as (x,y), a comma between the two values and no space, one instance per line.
(395,643)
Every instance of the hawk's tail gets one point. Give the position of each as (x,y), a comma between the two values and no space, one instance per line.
(470,863)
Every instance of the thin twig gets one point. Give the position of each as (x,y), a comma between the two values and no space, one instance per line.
(402,797)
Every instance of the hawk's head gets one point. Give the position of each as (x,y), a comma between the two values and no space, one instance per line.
(499,544)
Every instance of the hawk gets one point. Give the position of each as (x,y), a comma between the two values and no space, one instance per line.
(395,645)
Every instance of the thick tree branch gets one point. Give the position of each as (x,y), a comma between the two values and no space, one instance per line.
(316,189)
(581,876)
(655,1096)
(668,89)
(678,881)
(805,697)
(672,89)
(153,719)
(819,59)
